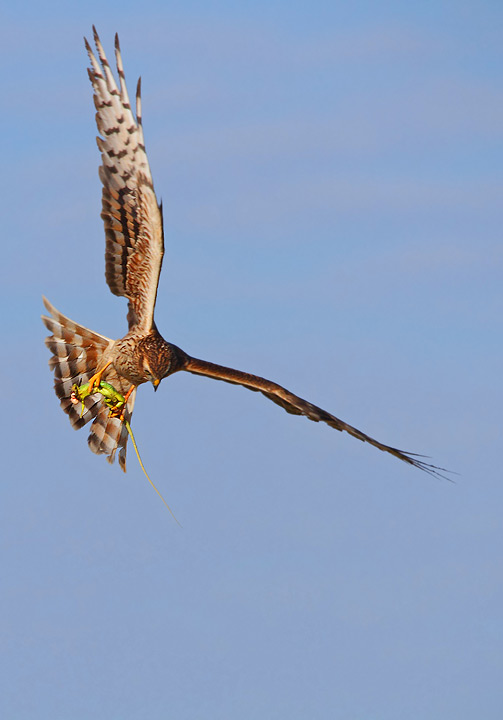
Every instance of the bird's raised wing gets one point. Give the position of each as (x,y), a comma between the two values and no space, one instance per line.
(297,406)
(133,219)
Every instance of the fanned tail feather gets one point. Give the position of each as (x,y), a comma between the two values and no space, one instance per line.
(77,353)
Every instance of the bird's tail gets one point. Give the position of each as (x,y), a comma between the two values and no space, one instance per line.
(77,352)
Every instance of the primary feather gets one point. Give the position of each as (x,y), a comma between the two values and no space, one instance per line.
(132,216)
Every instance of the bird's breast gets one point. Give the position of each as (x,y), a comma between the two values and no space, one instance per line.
(127,361)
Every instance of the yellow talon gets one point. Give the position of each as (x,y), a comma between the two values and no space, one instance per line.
(95,380)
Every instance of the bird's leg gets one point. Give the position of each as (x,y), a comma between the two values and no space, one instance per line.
(95,380)
(126,398)
(128,394)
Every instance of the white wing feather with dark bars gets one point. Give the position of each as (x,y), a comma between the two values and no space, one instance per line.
(133,219)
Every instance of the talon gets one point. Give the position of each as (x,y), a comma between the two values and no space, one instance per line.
(96,378)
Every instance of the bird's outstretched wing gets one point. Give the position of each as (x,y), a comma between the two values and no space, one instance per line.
(297,406)
(133,219)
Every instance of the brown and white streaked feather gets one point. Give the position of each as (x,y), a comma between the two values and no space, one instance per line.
(132,216)
(297,406)
(77,353)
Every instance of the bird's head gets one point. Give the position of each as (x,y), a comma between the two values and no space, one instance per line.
(159,358)
(152,373)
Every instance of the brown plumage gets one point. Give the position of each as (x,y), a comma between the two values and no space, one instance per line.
(133,259)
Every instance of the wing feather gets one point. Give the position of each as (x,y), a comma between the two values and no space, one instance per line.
(297,406)
(132,216)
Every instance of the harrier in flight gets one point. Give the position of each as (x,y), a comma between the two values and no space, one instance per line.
(134,252)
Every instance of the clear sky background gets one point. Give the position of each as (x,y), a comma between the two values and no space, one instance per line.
(331,174)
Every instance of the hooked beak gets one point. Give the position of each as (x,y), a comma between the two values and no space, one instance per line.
(155,383)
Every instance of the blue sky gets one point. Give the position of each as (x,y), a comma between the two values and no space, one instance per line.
(331,180)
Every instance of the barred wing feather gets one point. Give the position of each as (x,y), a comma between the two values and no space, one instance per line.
(132,216)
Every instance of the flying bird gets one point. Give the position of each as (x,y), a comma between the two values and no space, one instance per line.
(133,258)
